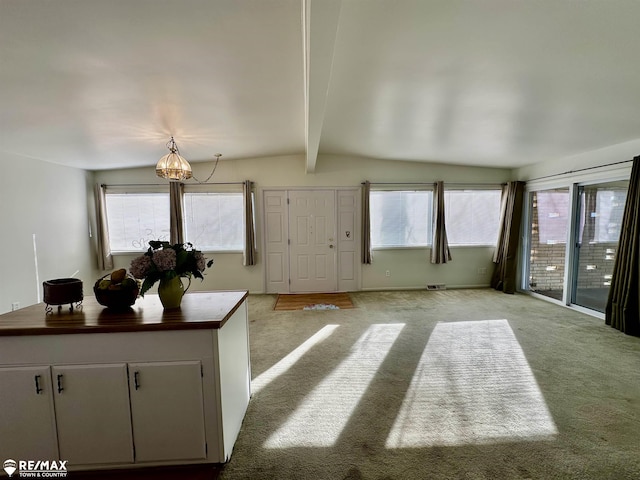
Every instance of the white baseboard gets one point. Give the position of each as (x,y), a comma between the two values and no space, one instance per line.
(422,287)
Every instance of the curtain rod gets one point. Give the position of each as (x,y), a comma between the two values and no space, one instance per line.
(163,184)
(214,183)
(431,183)
(579,170)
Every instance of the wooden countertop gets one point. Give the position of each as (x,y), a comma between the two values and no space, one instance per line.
(199,310)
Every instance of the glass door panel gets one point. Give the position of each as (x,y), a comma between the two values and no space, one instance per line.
(600,211)
(549,220)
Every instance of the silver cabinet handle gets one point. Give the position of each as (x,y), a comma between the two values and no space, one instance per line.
(38,389)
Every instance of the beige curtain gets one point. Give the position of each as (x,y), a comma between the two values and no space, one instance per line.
(250,257)
(176,234)
(105,259)
(505,256)
(622,311)
(366,223)
(440,252)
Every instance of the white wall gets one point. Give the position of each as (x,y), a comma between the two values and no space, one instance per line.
(49,202)
(409,268)
(574,166)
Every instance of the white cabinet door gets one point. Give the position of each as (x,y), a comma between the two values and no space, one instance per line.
(167,411)
(92,413)
(27,418)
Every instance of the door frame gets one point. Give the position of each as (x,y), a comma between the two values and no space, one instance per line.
(354,249)
(573,279)
(591,177)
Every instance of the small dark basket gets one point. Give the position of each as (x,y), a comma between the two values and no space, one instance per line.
(116,299)
(61,291)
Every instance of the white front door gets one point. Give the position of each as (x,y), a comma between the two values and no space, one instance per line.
(312,235)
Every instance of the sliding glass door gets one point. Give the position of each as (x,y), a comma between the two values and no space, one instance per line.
(599,216)
(549,220)
(588,216)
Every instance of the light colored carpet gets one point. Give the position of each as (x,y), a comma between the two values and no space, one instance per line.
(455,384)
(472,385)
(313,301)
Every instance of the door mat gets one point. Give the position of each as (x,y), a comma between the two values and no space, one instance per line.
(313,301)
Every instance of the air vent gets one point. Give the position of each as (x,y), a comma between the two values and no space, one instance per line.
(437,286)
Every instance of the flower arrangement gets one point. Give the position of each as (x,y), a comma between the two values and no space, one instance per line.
(164,261)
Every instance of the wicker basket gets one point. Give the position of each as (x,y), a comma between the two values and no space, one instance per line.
(116,299)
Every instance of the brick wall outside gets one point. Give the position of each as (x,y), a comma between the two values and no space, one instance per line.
(595,255)
(546,266)
(542,257)
(595,263)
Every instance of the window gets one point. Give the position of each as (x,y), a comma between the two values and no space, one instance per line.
(136,218)
(602,209)
(552,208)
(401,218)
(214,221)
(472,216)
(548,227)
(609,212)
(599,212)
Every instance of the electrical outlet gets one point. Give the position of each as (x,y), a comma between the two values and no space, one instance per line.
(387,273)
(15,306)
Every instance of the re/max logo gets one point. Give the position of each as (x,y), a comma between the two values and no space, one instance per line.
(36,468)
(42,465)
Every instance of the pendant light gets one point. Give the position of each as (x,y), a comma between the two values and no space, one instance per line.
(173,166)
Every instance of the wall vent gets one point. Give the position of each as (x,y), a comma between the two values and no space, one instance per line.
(437,286)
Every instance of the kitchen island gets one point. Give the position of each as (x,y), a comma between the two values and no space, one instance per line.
(142,387)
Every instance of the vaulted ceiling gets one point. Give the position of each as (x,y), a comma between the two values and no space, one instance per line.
(100,84)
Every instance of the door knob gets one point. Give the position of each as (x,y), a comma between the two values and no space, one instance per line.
(330,246)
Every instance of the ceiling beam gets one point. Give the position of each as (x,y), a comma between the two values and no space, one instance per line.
(320,28)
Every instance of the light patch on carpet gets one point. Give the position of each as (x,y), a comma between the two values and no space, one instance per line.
(472,385)
(324,412)
(287,362)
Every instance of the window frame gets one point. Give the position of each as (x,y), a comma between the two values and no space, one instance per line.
(133,190)
(235,189)
(141,189)
(429,213)
(474,188)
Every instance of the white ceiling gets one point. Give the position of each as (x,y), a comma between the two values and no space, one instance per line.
(100,84)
